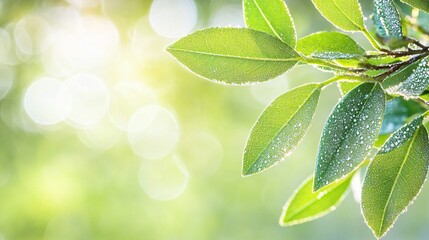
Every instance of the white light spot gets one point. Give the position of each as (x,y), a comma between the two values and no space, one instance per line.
(127,98)
(173,18)
(81,46)
(41,101)
(356,186)
(153,132)
(88,98)
(163,180)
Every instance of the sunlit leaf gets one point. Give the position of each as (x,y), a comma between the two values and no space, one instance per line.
(415,83)
(395,177)
(348,85)
(329,45)
(344,14)
(270,16)
(306,205)
(280,128)
(420,4)
(351,130)
(234,55)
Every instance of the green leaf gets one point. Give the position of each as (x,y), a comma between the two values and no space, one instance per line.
(388,23)
(401,136)
(329,45)
(234,55)
(420,4)
(349,133)
(397,78)
(415,84)
(347,85)
(306,205)
(271,17)
(395,177)
(280,128)
(344,14)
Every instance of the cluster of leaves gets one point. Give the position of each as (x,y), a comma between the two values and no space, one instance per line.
(383,106)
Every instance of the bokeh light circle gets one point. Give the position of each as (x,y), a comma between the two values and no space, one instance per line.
(153,132)
(127,98)
(88,98)
(30,35)
(41,101)
(81,44)
(173,18)
(163,180)
(7,78)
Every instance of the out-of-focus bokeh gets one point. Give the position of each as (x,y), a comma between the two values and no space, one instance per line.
(105,136)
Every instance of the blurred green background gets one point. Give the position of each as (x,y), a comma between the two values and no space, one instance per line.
(105,136)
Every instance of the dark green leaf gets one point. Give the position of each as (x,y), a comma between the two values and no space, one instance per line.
(234,55)
(401,136)
(392,82)
(280,128)
(420,4)
(306,205)
(270,16)
(415,84)
(398,111)
(344,14)
(349,133)
(388,23)
(395,176)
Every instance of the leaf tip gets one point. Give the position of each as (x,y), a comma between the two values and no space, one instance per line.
(247,172)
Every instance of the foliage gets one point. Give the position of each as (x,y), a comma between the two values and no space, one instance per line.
(382,90)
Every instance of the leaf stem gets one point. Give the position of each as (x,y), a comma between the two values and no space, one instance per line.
(320,62)
(398,66)
(373,42)
(342,77)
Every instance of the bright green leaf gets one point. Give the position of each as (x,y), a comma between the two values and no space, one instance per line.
(344,14)
(306,205)
(420,4)
(329,45)
(271,17)
(234,55)
(415,84)
(347,85)
(349,133)
(395,177)
(280,128)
